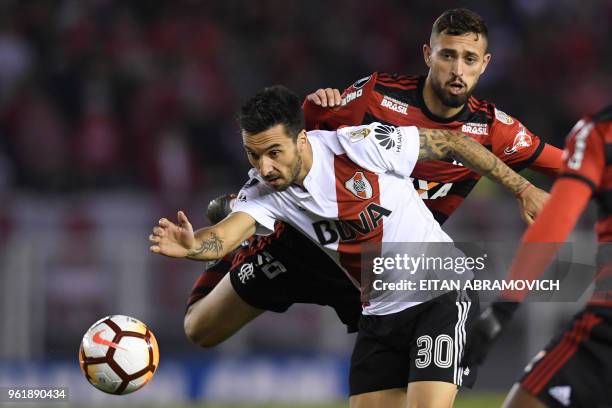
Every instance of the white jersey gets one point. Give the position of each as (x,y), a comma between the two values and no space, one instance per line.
(357,191)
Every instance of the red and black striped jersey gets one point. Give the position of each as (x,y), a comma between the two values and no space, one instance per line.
(398,100)
(588,157)
(586,173)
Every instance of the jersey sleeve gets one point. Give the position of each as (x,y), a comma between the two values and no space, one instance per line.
(583,157)
(255,199)
(549,162)
(382,148)
(541,241)
(513,143)
(350,112)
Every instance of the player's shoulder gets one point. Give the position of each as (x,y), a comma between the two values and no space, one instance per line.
(395,79)
(484,111)
(500,123)
(399,86)
(325,140)
(397,89)
(254,187)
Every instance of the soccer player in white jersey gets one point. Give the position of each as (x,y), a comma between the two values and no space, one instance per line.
(343,189)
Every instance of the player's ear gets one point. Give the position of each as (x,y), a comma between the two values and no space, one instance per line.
(301,139)
(486,59)
(427,55)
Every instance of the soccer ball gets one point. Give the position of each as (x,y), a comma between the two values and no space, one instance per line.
(119,354)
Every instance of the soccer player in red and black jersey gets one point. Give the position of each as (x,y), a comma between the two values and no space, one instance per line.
(575,368)
(456,56)
(443,99)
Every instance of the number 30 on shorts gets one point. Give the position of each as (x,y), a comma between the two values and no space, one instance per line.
(441,349)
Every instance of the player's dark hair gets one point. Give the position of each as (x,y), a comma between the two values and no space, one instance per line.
(460,21)
(275,105)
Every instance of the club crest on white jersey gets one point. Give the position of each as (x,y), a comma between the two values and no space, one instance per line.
(359,186)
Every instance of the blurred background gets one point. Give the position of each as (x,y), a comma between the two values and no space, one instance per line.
(115,113)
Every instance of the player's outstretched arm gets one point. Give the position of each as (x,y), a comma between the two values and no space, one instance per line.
(436,144)
(180,241)
(569,198)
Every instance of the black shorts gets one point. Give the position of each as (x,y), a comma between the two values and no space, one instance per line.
(421,343)
(575,368)
(292,269)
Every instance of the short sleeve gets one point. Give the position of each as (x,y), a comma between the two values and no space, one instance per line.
(382,148)
(253,200)
(512,142)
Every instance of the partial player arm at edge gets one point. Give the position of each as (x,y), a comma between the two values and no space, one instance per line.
(437,144)
(549,161)
(205,244)
(569,198)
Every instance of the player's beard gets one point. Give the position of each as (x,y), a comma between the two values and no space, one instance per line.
(293,175)
(448,99)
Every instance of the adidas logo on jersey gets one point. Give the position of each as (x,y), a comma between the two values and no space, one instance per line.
(562,394)
(359,186)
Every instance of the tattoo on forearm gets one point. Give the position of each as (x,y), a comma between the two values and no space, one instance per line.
(433,144)
(437,144)
(211,245)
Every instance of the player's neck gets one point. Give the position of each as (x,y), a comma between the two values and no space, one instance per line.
(435,105)
(306,164)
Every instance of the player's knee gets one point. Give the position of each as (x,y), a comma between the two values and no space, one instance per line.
(201,332)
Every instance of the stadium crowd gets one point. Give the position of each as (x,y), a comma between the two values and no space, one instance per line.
(132,95)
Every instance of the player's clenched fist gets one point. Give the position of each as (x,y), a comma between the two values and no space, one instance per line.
(531,201)
(171,239)
(325,97)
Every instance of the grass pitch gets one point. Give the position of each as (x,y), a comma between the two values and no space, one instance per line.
(463,401)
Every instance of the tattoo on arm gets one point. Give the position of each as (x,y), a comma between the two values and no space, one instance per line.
(433,144)
(436,144)
(213,244)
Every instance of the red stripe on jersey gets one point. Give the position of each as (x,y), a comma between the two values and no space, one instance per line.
(257,244)
(353,208)
(404,87)
(475,107)
(560,354)
(406,81)
(397,78)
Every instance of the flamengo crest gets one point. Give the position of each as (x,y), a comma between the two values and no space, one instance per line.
(359,186)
